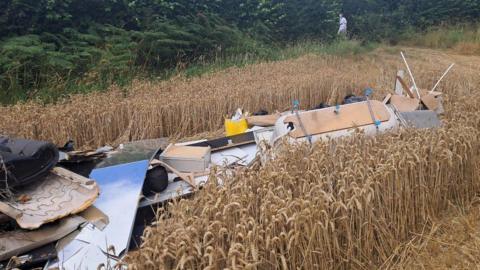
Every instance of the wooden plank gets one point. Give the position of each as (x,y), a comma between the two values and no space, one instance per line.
(405,87)
(175,151)
(387,99)
(431,102)
(326,120)
(263,120)
(404,104)
(18,242)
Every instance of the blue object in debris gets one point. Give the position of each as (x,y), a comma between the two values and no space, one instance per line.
(368,92)
(296,105)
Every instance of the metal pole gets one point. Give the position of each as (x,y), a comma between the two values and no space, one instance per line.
(411,75)
(296,106)
(443,76)
(368,92)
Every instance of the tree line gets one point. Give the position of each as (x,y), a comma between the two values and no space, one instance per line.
(86,41)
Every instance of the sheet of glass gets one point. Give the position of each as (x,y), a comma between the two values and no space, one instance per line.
(120,189)
(133,151)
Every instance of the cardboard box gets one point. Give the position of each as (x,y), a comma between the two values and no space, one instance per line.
(187,158)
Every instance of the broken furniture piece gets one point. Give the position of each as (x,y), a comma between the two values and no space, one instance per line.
(19,242)
(336,122)
(59,194)
(188,177)
(433,101)
(82,156)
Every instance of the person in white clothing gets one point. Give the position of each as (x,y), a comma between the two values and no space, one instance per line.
(343,26)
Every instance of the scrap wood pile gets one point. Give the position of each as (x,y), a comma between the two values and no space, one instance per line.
(343,206)
(40,202)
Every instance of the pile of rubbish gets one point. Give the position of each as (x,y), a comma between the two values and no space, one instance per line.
(61,208)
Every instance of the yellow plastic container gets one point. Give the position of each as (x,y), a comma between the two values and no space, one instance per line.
(235,127)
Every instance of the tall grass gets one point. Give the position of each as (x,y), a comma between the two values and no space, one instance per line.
(267,54)
(462,39)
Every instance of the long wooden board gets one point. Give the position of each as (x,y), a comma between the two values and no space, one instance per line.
(405,87)
(263,120)
(326,120)
(174,151)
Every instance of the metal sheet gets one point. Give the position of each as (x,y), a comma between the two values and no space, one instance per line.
(420,119)
(121,186)
(251,150)
(134,151)
(175,189)
(228,157)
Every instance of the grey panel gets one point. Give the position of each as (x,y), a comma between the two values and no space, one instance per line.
(420,119)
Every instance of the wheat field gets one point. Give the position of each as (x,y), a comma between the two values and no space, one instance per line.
(359,203)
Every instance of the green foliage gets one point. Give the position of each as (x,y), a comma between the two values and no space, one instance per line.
(53,48)
(381,19)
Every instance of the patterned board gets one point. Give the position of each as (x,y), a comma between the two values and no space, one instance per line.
(59,194)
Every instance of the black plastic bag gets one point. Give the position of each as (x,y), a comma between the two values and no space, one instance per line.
(24,161)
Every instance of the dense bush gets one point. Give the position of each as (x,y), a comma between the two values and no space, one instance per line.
(49,48)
